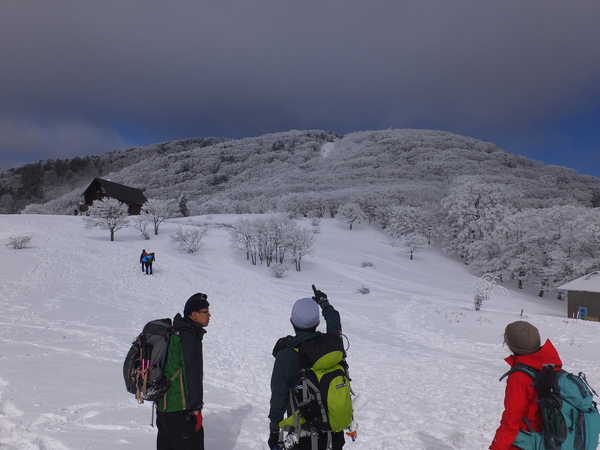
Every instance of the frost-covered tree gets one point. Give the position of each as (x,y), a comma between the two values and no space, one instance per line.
(108,214)
(296,204)
(243,236)
(141,224)
(271,239)
(471,211)
(482,289)
(546,246)
(182,202)
(157,212)
(411,243)
(6,204)
(351,213)
(301,243)
(587,240)
(410,228)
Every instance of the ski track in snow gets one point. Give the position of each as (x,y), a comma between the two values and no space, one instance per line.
(427,362)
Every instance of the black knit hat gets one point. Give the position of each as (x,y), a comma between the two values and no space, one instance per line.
(196,302)
(522,338)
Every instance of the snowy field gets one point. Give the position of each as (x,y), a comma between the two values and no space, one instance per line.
(71,304)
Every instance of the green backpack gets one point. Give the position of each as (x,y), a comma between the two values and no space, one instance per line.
(322,398)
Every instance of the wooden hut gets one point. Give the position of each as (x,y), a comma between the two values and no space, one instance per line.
(583,297)
(99,189)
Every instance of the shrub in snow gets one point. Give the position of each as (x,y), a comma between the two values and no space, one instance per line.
(141,224)
(278,269)
(363,290)
(316,225)
(19,242)
(190,240)
(367,264)
(482,289)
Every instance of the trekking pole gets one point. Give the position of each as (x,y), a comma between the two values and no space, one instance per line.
(352,432)
(280,444)
(144,360)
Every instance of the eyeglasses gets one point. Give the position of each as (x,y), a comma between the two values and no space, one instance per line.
(204,312)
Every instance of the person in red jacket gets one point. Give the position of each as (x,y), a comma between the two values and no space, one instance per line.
(520,399)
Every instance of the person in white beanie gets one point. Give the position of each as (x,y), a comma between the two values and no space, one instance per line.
(286,370)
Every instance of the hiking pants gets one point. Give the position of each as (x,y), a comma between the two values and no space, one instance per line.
(337,441)
(176,433)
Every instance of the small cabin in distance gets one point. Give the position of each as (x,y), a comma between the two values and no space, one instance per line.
(583,297)
(99,189)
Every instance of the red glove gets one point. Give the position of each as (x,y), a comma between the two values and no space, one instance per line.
(198,421)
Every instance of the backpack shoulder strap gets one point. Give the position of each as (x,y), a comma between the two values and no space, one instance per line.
(532,373)
(528,370)
(280,345)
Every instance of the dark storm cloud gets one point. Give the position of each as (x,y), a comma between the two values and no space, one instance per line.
(85,77)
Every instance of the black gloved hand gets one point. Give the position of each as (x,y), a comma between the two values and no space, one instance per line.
(273,439)
(320,297)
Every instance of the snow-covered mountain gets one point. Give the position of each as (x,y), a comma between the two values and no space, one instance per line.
(426,360)
(503,214)
(266,173)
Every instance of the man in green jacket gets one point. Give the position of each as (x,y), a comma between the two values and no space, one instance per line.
(286,370)
(179,413)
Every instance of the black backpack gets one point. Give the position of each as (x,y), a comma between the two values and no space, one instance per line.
(144,363)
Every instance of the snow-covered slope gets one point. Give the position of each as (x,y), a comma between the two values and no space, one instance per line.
(71,304)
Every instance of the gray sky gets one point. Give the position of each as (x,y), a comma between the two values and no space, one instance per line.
(86,76)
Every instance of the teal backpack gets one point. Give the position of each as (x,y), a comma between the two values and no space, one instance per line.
(570,419)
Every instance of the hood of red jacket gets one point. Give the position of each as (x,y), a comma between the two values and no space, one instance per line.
(547,354)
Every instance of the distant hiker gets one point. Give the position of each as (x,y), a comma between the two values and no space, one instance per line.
(179,415)
(147,262)
(521,409)
(287,369)
(142,262)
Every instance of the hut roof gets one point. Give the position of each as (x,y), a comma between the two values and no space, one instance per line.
(120,192)
(586,283)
